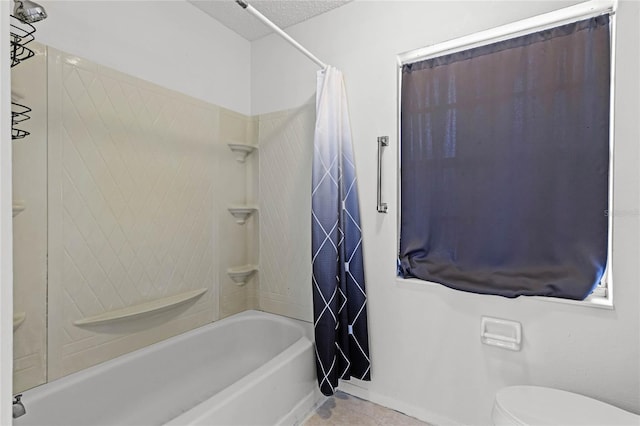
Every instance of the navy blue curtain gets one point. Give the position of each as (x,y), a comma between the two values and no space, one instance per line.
(339,293)
(505,164)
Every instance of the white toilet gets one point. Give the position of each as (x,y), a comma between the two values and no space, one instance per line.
(534,405)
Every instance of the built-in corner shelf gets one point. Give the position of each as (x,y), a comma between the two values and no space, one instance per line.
(18,207)
(241,274)
(242,150)
(241,213)
(18,319)
(143,309)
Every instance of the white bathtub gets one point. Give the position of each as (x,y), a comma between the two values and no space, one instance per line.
(252,368)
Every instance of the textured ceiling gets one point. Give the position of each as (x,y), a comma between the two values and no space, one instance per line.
(282,12)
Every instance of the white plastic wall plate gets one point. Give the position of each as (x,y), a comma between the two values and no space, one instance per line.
(502,333)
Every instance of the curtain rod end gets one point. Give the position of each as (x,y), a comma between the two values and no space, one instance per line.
(243,4)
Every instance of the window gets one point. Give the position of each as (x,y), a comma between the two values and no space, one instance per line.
(504,160)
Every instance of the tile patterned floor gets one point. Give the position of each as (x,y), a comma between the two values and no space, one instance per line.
(344,409)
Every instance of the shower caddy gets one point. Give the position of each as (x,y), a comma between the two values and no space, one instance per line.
(22,33)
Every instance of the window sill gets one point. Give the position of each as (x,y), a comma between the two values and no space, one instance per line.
(599,302)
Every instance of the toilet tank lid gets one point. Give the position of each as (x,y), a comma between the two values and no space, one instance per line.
(535,405)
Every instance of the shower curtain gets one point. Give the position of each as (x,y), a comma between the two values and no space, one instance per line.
(339,296)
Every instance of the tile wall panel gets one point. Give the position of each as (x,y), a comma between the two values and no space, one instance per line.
(240,241)
(286,150)
(135,189)
(29,87)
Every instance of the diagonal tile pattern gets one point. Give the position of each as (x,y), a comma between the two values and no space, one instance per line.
(137,171)
(286,148)
(339,297)
(29,170)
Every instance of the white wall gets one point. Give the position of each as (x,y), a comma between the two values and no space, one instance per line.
(425,345)
(170,43)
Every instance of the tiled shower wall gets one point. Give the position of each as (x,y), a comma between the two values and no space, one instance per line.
(286,153)
(239,243)
(29,168)
(139,181)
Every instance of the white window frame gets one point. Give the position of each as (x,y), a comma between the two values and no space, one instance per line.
(602,296)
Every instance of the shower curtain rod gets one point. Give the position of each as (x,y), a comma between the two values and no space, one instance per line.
(246,6)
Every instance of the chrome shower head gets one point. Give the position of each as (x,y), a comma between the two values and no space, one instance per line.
(29,11)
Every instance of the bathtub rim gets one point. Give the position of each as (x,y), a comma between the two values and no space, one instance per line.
(42,391)
(230,392)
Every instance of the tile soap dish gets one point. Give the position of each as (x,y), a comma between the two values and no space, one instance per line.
(241,213)
(241,274)
(242,150)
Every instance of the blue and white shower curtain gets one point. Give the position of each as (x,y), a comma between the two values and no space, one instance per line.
(339,295)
